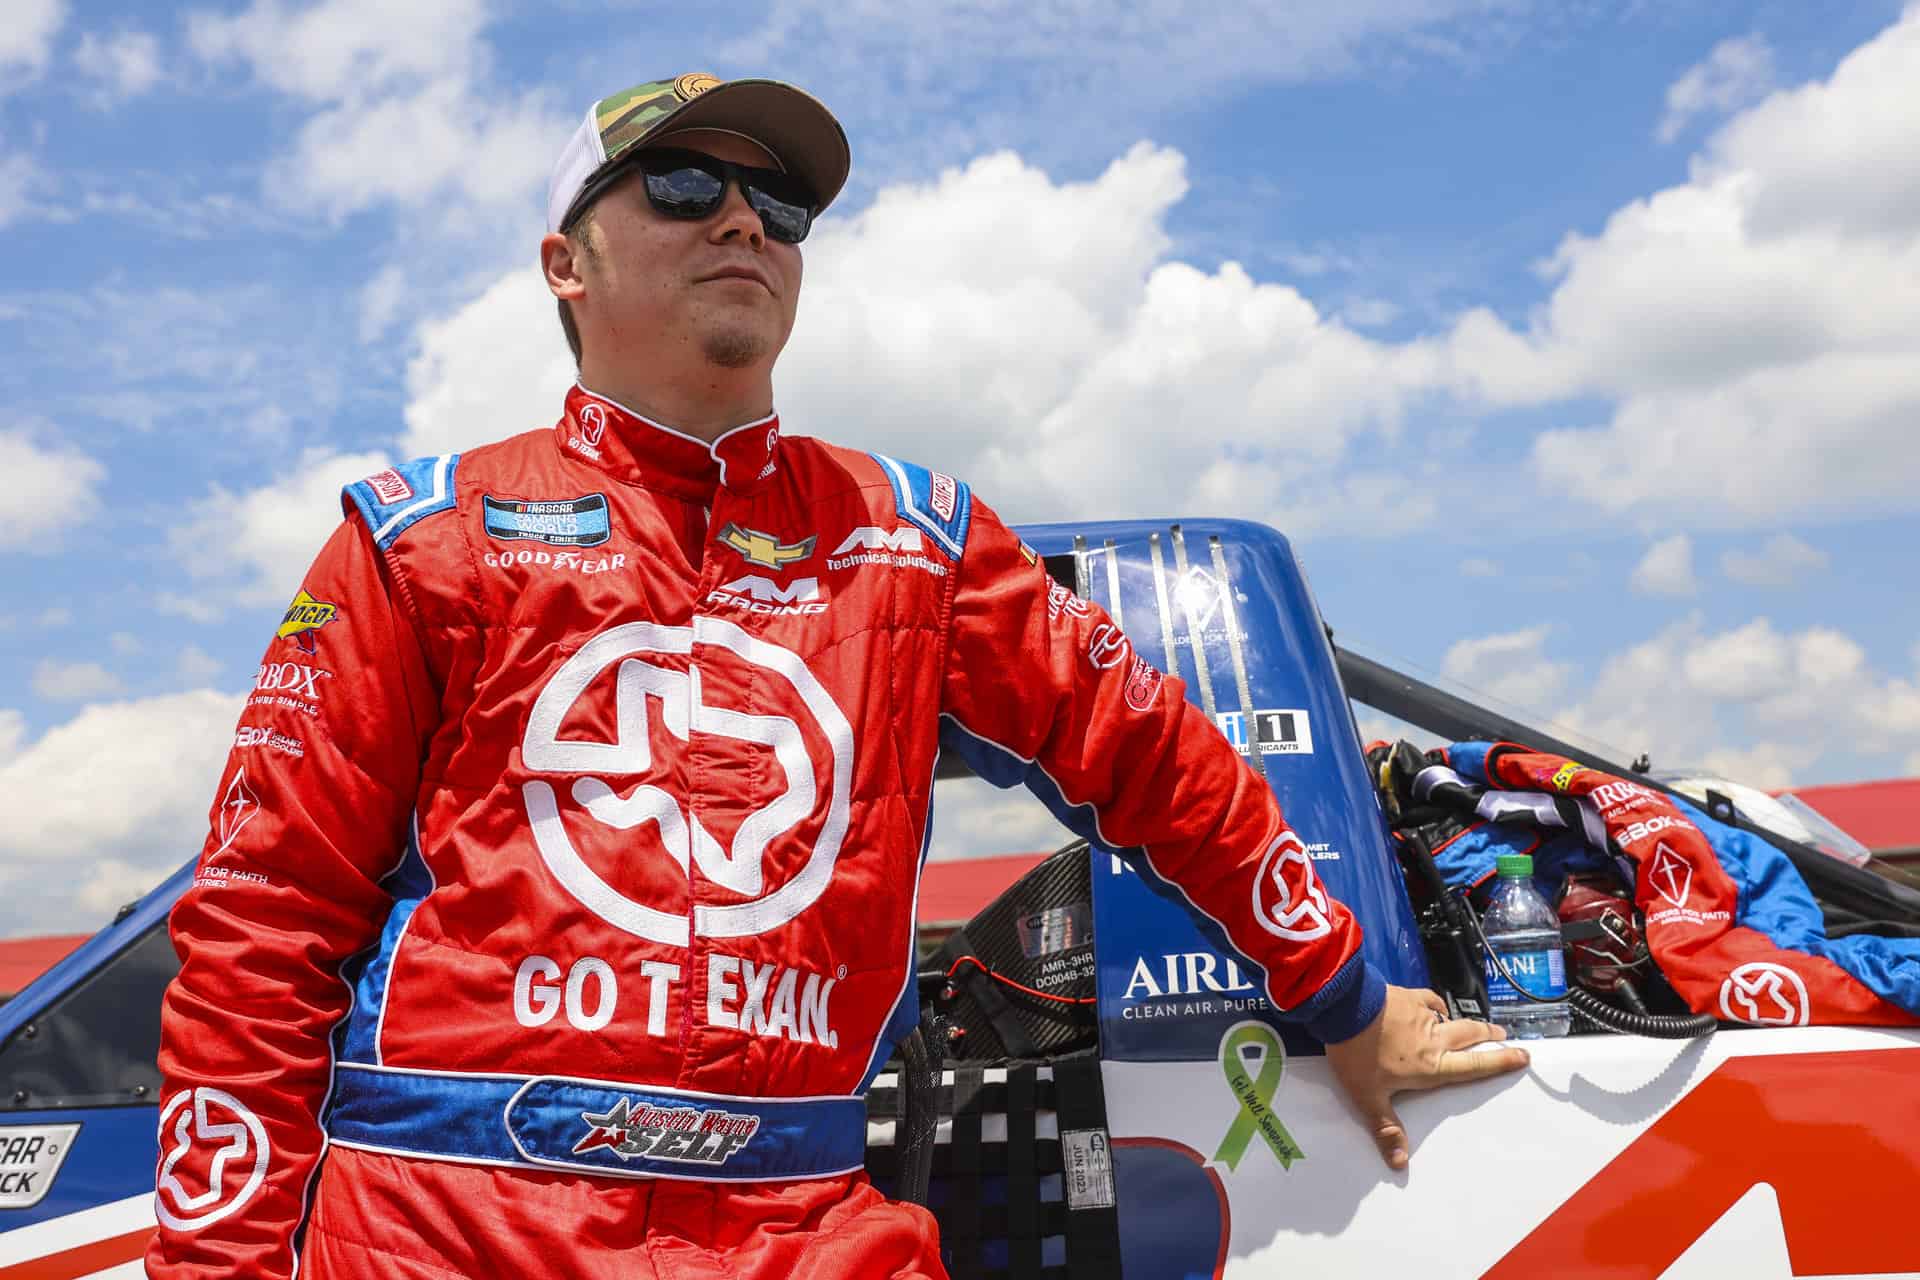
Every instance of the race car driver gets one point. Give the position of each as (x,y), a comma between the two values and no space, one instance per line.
(558,903)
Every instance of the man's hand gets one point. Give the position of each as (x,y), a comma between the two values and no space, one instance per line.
(1412,1045)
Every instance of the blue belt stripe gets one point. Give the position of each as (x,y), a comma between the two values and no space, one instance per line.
(538,1120)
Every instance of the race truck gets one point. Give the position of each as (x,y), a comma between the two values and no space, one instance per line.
(1098,1087)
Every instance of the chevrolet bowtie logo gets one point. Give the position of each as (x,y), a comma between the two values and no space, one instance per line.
(764,549)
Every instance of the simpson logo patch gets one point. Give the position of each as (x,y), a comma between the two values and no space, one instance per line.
(390,486)
(570,522)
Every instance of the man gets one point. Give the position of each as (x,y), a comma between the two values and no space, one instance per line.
(558,907)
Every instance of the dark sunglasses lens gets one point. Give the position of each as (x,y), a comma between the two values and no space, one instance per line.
(685,192)
(783,221)
(785,203)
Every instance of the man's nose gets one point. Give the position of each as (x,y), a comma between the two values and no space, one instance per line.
(736,220)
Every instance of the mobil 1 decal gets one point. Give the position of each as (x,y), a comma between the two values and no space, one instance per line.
(1286,732)
(563,522)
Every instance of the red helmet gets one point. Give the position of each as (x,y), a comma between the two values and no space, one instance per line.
(1606,946)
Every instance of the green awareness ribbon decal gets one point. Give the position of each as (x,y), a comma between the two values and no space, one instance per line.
(1255,1093)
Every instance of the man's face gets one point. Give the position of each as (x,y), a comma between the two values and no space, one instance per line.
(665,288)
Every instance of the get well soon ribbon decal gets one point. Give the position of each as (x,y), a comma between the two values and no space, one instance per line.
(1253,1059)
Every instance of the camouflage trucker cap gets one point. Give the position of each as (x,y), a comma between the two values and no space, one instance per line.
(791,123)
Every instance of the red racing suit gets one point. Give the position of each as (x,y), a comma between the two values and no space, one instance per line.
(560,886)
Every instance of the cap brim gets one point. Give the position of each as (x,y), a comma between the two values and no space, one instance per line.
(791,123)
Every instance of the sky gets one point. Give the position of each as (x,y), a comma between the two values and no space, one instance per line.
(1575,345)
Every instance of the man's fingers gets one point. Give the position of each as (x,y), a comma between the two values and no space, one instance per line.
(1388,1134)
(1467,1064)
(1432,999)
(1464,1033)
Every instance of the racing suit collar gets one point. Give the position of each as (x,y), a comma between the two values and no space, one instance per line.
(640,451)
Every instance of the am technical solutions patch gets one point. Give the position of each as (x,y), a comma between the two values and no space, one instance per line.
(570,522)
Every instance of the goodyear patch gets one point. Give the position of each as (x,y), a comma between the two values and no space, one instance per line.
(1563,778)
(568,522)
(305,616)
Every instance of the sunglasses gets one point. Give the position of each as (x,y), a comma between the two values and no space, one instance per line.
(691,185)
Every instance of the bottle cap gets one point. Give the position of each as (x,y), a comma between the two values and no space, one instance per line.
(1514,864)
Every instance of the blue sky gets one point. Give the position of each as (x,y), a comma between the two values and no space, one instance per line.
(1577,346)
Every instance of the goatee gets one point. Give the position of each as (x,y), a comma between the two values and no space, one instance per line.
(734,348)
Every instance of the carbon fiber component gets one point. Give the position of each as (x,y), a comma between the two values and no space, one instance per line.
(1039,934)
(919,1075)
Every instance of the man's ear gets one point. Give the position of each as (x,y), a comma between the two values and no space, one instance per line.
(561,263)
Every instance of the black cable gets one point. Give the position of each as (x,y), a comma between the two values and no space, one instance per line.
(1658,1026)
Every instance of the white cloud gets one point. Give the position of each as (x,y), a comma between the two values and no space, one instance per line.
(48,489)
(956,78)
(117,794)
(255,545)
(497,366)
(1666,569)
(336,48)
(979,820)
(13,732)
(26,39)
(126,644)
(1745,664)
(73,681)
(1757,328)
(54,616)
(1511,667)
(1760,705)
(380,300)
(1370,313)
(491,152)
(1028,335)
(1780,562)
(126,64)
(194,608)
(403,110)
(1479,567)
(20,174)
(111,884)
(1737,72)
(1770,766)
(196,666)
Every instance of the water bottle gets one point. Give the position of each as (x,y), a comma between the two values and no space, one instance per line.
(1525,932)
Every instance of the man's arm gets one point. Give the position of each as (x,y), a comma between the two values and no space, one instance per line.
(312,811)
(1041,688)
